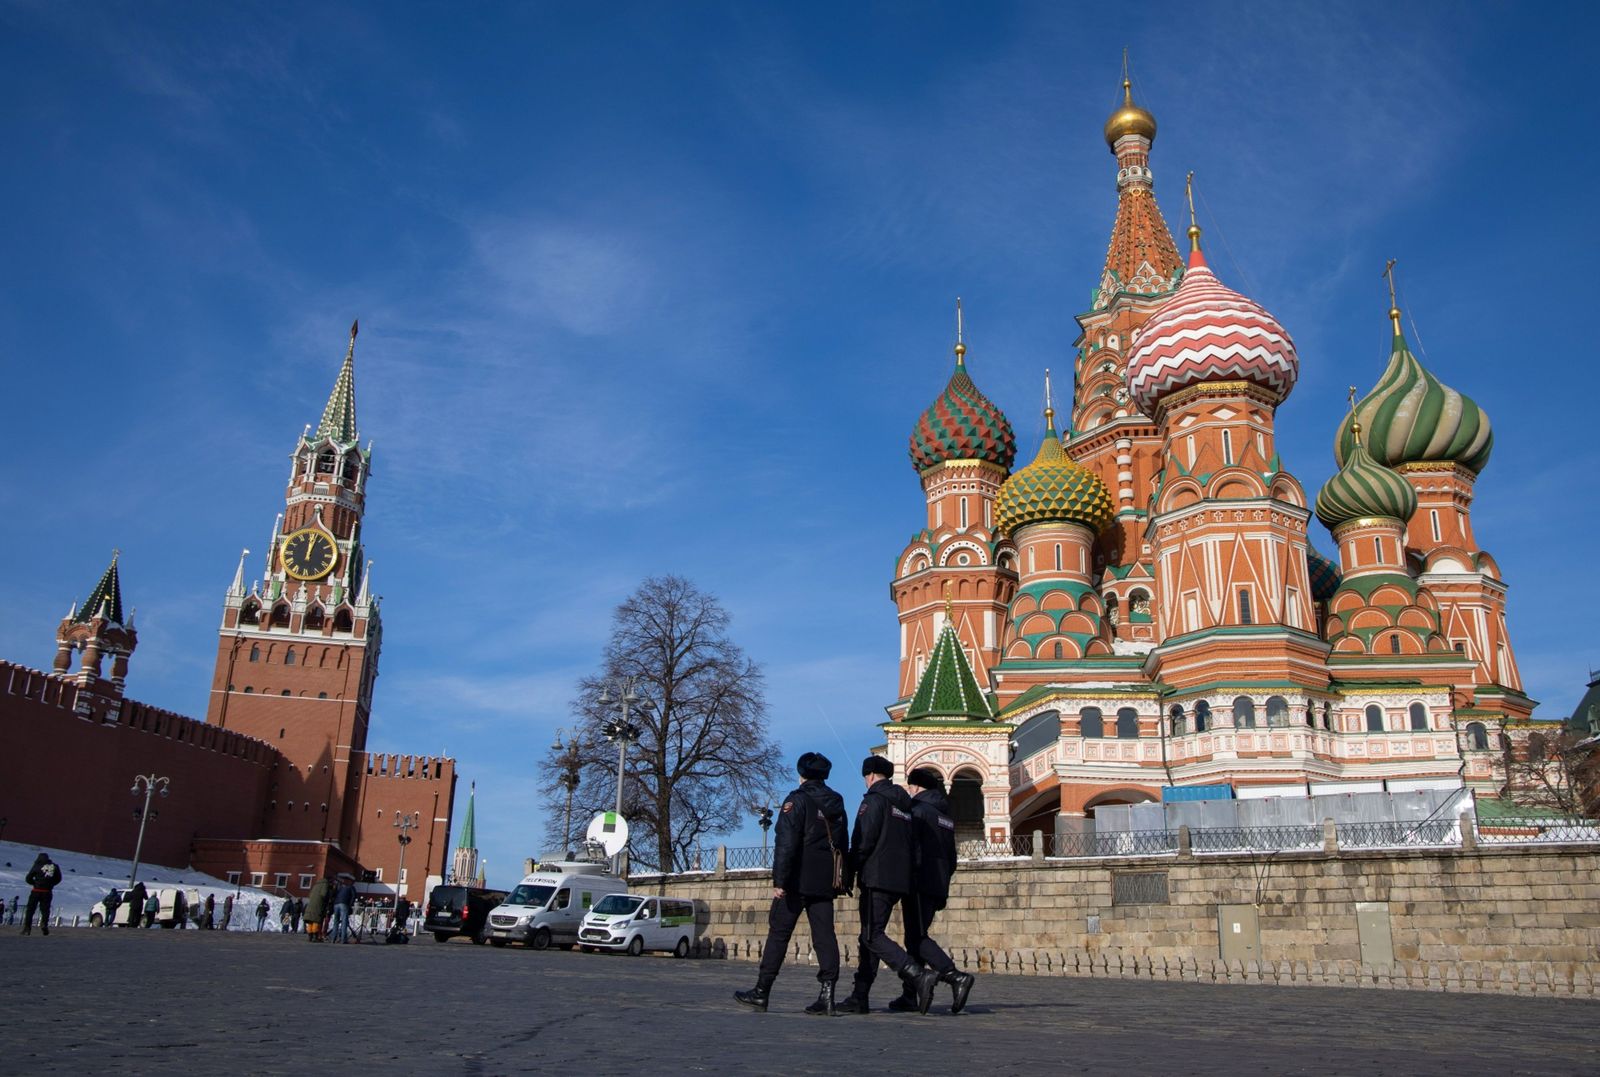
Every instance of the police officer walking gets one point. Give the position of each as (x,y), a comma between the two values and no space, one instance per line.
(934,832)
(881,851)
(809,843)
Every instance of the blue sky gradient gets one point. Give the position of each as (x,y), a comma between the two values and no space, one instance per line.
(651,288)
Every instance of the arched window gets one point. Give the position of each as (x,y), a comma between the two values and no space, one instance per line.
(1419,716)
(250,614)
(1327,717)
(288,657)
(284,692)
(322,695)
(1091,724)
(1127,723)
(1477,735)
(1277,711)
(1394,643)
(1177,720)
(314,619)
(1311,716)
(1113,614)
(326,462)
(255,652)
(280,615)
(1244,713)
(249,691)
(343,622)
(1058,557)
(1374,718)
(1202,716)
(1058,650)
(1245,616)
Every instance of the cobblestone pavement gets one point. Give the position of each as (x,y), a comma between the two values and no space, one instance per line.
(200,1002)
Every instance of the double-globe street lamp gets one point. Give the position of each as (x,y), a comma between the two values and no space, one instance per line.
(150,783)
(405,824)
(621,731)
(571,766)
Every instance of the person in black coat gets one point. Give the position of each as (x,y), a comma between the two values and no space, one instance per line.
(41,879)
(933,831)
(135,902)
(882,854)
(811,827)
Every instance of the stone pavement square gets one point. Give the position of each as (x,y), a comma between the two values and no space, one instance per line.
(121,1001)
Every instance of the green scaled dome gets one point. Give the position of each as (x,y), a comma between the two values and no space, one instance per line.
(962,424)
(1364,488)
(1054,488)
(1412,417)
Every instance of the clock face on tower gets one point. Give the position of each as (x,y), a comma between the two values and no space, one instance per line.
(309,554)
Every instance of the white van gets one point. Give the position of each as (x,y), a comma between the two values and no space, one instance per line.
(548,906)
(635,923)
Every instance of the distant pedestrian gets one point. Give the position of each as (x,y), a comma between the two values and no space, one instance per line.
(262,910)
(286,917)
(297,910)
(112,902)
(882,853)
(135,903)
(152,910)
(316,908)
(42,878)
(344,899)
(180,910)
(210,921)
(227,912)
(934,832)
(808,871)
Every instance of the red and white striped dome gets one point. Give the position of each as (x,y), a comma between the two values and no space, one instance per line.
(1208,333)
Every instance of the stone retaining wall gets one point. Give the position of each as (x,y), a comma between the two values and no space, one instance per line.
(1520,919)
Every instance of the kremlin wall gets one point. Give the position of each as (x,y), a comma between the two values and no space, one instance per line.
(275,785)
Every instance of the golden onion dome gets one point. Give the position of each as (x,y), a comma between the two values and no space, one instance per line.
(1130,119)
(1053,489)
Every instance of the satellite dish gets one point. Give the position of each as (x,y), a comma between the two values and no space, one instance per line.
(610,830)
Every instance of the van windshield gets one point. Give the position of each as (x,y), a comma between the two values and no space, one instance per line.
(617,904)
(530,895)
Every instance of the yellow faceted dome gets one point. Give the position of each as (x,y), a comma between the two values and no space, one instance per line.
(1055,489)
(1130,119)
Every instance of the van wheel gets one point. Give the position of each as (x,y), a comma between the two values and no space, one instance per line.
(497,942)
(96,920)
(682,949)
(479,939)
(441,936)
(636,946)
(566,946)
(541,939)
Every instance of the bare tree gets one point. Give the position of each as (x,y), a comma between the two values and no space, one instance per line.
(1559,769)
(704,758)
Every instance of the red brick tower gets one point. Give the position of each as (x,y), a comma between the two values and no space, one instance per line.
(99,629)
(298,650)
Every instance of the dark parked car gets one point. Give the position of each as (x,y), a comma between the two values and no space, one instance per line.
(460,910)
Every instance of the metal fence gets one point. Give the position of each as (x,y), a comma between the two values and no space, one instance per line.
(1255,839)
(752,858)
(1537,831)
(1396,834)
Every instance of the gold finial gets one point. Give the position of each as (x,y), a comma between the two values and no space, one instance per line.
(1394,307)
(1355,424)
(1194,225)
(1049,411)
(949,605)
(961,347)
(1129,119)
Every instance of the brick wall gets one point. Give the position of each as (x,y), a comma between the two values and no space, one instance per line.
(1487,919)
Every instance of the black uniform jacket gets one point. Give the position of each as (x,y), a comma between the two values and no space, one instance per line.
(802,859)
(934,832)
(881,848)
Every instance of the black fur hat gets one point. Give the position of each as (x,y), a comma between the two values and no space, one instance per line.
(926,778)
(877,764)
(814,766)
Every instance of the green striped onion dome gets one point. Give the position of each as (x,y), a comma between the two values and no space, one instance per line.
(1325,577)
(1362,488)
(962,424)
(1053,488)
(1412,417)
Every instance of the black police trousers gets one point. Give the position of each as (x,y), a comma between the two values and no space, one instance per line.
(38,902)
(876,945)
(918,912)
(781,918)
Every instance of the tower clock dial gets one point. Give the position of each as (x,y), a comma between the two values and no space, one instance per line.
(309,554)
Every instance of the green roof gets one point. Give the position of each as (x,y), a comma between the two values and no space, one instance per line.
(107,595)
(469,828)
(947,688)
(339,415)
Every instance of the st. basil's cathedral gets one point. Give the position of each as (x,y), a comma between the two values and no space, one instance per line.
(1141,608)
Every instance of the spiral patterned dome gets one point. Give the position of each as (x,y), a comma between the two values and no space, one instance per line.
(1208,333)
(962,424)
(1362,488)
(1413,417)
(1054,488)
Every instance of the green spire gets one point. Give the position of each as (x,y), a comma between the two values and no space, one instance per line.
(339,417)
(469,829)
(948,689)
(106,598)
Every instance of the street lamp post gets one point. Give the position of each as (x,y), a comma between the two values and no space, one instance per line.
(570,767)
(405,824)
(621,731)
(764,821)
(150,784)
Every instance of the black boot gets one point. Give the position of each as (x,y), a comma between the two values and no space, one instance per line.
(854,1004)
(960,987)
(755,998)
(921,982)
(905,1002)
(823,1007)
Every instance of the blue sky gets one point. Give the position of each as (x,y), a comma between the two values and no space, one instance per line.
(652,288)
